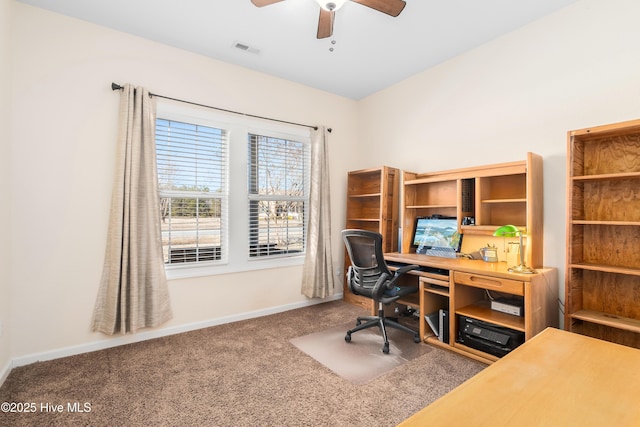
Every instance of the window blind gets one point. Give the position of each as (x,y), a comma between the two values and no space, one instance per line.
(278,195)
(192,174)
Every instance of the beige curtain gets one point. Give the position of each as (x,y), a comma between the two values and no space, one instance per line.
(133,292)
(317,276)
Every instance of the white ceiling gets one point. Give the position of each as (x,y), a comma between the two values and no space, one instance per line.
(371,52)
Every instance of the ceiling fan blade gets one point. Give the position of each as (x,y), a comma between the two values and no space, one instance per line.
(261,3)
(390,7)
(325,24)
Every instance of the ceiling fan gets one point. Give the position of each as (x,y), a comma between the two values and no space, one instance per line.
(329,7)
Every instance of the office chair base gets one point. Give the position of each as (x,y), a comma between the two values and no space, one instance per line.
(382,323)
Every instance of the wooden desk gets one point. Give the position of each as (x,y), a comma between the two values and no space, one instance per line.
(463,290)
(558,378)
(475,266)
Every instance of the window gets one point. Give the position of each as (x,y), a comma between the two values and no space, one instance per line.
(278,195)
(234,191)
(192,163)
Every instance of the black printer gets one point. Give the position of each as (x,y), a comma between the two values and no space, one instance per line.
(487,337)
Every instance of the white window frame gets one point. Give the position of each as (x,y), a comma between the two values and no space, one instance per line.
(237,234)
(258,196)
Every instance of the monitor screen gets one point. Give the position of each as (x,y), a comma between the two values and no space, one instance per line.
(430,233)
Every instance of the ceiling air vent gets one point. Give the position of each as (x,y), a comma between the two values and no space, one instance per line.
(246,47)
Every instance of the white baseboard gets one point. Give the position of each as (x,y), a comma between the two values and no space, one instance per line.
(4,373)
(143,336)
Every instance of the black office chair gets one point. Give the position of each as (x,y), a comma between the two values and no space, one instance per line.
(370,276)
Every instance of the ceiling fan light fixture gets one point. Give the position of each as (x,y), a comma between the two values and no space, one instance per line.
(331,5)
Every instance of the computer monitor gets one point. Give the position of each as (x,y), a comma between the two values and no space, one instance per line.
(436,232)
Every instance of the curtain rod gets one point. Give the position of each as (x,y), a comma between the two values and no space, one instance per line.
(116,86)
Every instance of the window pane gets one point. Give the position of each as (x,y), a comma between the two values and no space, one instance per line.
(278,166)
(278,194)
(275,230)
(192,180)
(191,230)
(190,157)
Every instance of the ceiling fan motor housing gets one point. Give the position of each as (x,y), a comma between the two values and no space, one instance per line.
(331,6)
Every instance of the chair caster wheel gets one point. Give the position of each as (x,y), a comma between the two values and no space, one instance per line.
(385,349)
(416,338)
(347,338)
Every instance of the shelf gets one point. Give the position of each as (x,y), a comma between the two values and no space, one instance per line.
(432,278)
(443,291)
(364,219)
(594,222)
(430,206)
(428,180)
(519,200)
(412,300)
(488,227)
(482,311)
(355,196)
(480,231)
(600,318)
(432,338)
(606,131)
(606,268)
(607,176)
(475,354)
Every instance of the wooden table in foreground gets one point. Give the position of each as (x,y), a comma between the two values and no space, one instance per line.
(557,378)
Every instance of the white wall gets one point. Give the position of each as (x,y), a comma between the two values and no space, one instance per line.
(5,185)
(63,159)
(576,68)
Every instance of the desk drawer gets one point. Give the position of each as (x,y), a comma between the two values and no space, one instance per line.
(513,287)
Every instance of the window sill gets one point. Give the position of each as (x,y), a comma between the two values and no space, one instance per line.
(175,272)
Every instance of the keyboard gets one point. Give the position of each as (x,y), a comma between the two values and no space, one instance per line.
(442,252)
(435,270)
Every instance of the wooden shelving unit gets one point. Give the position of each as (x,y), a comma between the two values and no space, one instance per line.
(494,195)
(603,233)
(372,204)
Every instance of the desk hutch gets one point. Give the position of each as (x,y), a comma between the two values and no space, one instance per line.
(494,195)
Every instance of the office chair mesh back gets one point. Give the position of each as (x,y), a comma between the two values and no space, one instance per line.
(367,265)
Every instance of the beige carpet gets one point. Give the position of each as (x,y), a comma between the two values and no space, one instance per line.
(241,374)
(362,359)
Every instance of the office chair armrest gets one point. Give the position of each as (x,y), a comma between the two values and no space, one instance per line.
(399,272)
(383,280)
(406,268)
